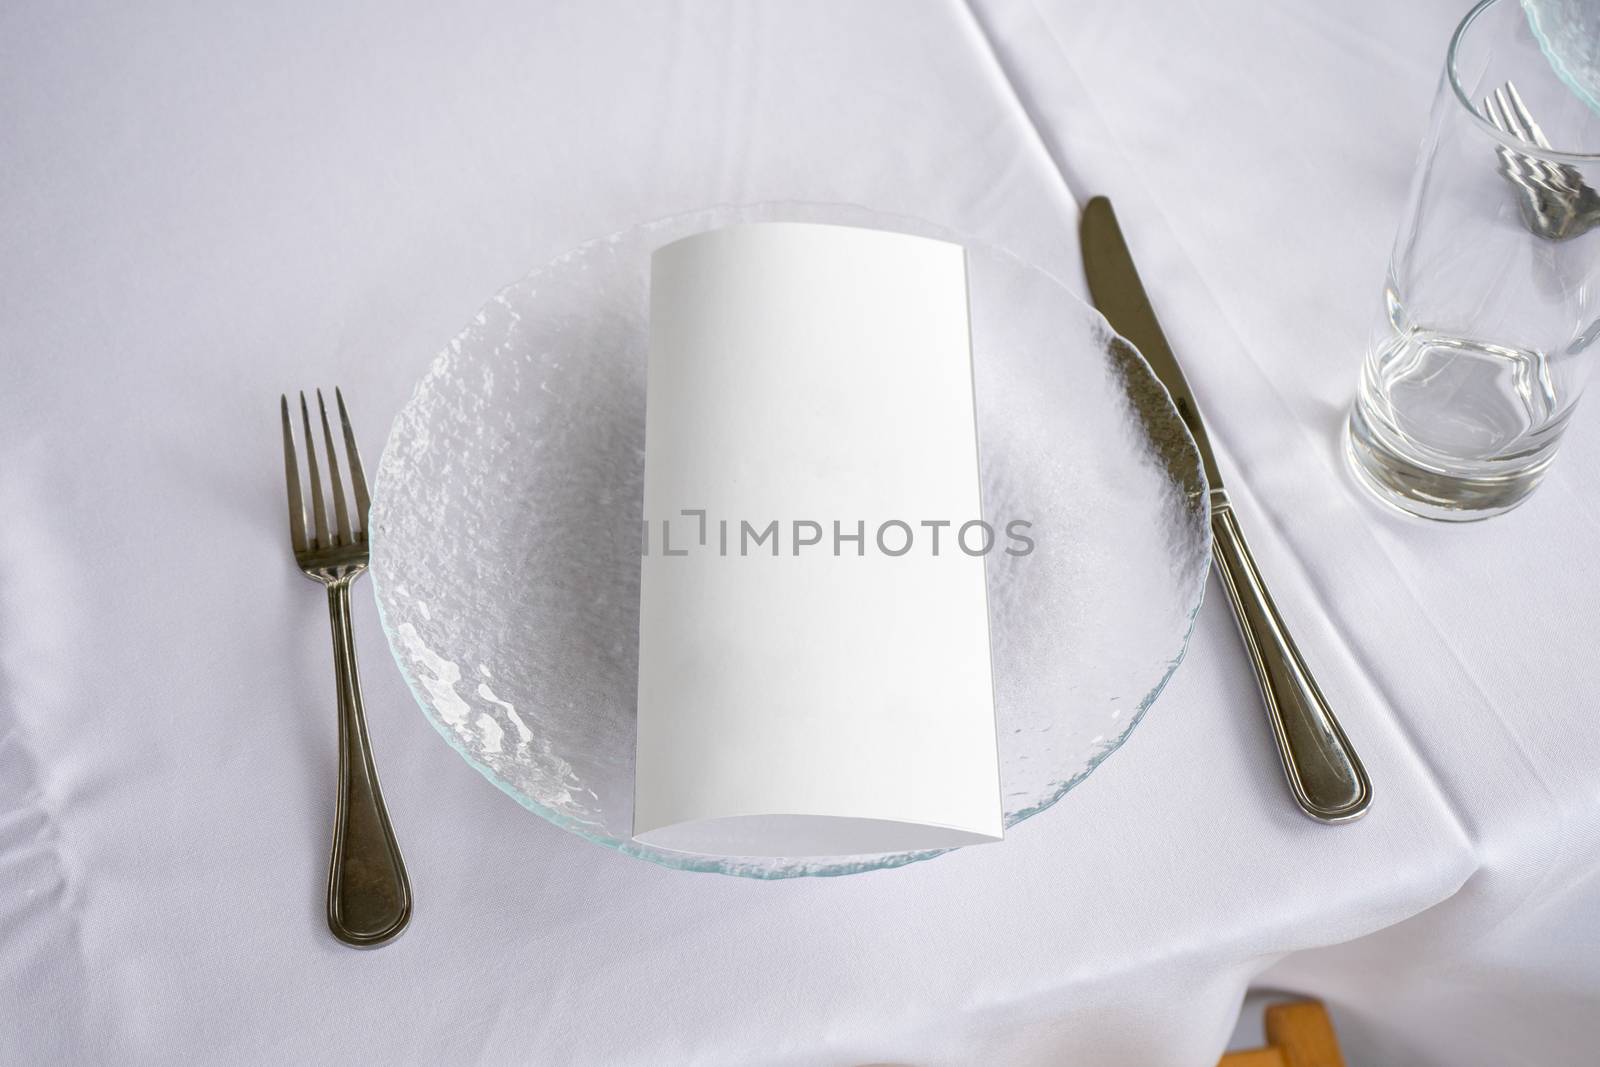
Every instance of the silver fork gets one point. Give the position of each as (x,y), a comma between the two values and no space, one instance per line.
(1556,202)
(369,897)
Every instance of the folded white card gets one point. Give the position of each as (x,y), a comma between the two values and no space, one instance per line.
(814,673)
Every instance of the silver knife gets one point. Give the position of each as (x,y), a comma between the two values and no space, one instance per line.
(1324,772)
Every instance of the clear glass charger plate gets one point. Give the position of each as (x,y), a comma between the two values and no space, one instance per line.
(1568,32)
(506,532)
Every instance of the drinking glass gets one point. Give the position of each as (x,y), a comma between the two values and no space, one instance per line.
(1491,302)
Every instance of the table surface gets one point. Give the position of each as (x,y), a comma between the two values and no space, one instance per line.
(205,207)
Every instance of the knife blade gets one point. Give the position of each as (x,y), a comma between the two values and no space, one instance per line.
(1323,771)
(1119,295)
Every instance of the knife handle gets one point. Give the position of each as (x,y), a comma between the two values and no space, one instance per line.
(1324,773)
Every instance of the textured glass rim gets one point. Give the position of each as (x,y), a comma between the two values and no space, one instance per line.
(756,867)
(1514,143)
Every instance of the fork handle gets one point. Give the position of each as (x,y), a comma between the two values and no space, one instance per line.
(1324,772)
(369,897)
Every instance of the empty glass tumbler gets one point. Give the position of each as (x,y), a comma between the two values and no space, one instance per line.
(1493,294)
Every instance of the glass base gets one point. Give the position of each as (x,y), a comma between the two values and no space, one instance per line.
(1432,494)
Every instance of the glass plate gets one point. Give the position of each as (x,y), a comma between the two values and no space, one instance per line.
(1568,31)
(506,532)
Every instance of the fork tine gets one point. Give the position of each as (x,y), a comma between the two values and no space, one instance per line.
(318,509)
(1491,111)
(340,513)
(1525,117)
(1508,119)
(1521,125)
(1513,120)
(1520,165)
(1511,161)
(358,480)
(291,469)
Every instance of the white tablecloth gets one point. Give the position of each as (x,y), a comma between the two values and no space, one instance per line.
(202,206)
